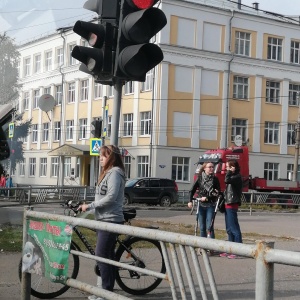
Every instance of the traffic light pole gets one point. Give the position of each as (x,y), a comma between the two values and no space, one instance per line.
(116,113)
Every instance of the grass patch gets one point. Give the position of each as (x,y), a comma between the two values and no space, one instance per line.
(11,235)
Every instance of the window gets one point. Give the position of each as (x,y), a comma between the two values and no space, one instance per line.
(145,123)
(59,56)
(239,127)
(34,133)
(82,129)
(32,166)
(97,90)
(72,60)
(143,166)
(57,131)
(271,171)
(291,134)
(295,52)
(147,85)
(127,165)
(271,133)
(26,100)
(58,94)
(47,90)
(43,167)
(69,129)
(180,168)
(71,92)
(27,66)
(242,43)
(272,92)
(37,63)
(48,60)
(67,167)
(274,49)
(22,167)
(108,129)
(110,91)
(77,171)
(294,94)
(129,87)
(128,124)
(45,132)
(240,87)
(290,171)
(36,97)
(54,166)
(84,90)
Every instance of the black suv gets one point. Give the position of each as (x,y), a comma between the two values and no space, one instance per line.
(151,190)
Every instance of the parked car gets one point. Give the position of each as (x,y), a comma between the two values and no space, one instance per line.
(151,190)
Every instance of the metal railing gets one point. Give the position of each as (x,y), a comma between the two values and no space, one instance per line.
(179,252)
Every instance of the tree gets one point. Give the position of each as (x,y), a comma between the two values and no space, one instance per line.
(16,143)
(9,58)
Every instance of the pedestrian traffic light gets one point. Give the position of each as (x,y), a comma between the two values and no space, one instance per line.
(98,60)
(97,131)
(139,21)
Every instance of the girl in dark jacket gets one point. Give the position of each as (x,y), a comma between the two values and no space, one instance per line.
(209,186)
(233,193)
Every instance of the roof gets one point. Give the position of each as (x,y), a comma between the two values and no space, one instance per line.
(70,150)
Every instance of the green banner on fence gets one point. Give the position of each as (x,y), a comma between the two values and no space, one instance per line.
(47,248)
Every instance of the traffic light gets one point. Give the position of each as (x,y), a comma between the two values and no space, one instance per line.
(98,60)
(4,146)
(139,21)
(97,131)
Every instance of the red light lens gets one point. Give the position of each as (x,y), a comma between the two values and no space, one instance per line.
(143,4)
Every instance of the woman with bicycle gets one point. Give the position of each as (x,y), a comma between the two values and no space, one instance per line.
(108,206)
(208,186)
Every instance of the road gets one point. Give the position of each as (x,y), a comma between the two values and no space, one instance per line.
(235,278)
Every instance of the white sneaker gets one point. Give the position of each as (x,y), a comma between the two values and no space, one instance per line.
(93,297)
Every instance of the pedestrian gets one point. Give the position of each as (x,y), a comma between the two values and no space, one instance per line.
(232,194)
(209,186)
(8,184)
(108,207)
(2,184)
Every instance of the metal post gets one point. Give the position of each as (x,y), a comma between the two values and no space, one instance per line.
(26,277)
(297,142)
(264,285)
(116,113)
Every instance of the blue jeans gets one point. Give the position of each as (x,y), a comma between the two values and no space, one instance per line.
(105,247)
(232,225)
(205,217)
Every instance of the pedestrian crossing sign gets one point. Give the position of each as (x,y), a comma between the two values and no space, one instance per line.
(11,130)
(95,145)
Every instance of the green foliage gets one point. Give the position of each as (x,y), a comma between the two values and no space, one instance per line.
(9,58)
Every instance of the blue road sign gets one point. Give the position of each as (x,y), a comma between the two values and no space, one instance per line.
(95,145)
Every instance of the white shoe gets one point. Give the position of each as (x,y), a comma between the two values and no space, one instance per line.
(93,297)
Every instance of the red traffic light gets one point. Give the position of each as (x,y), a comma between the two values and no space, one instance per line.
(141,4)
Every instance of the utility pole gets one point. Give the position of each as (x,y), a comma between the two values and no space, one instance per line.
(297,142)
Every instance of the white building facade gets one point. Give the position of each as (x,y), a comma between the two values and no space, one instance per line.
(226,72)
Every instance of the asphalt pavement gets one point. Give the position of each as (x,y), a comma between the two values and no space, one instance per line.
(235,279)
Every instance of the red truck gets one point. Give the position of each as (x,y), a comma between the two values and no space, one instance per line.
(220,156)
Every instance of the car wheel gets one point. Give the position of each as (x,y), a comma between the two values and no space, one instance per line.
(126,200)
(165,201)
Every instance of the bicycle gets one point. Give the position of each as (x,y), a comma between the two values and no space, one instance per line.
(135,251)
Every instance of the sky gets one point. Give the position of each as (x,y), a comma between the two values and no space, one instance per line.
(26,20)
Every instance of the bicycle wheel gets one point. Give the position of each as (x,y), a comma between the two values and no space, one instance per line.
(43,288)
(149,257)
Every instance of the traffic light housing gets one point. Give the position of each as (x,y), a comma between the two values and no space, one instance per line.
(98,60)
(139,21)
(4,146)
(97,131)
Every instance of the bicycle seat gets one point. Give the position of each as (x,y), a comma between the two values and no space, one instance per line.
(129,213)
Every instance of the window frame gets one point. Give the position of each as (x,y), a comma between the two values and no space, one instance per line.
(241,43)
(143,166)
(128,125)
(272,92)
(271,133)
(145,123)
(180,165)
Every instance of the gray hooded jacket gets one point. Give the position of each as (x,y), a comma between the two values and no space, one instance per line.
(109,197)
